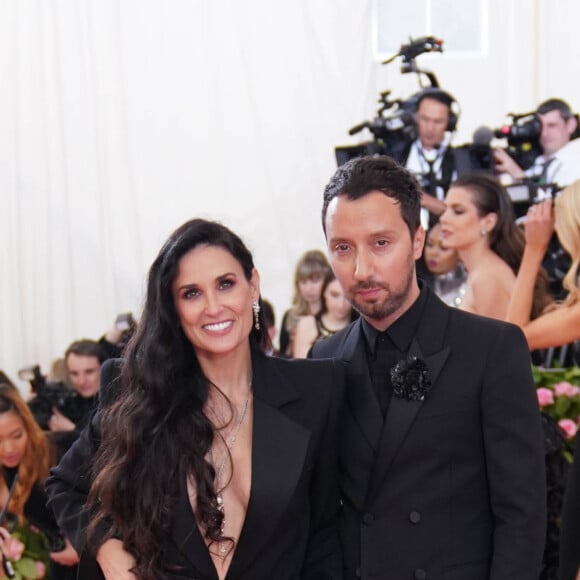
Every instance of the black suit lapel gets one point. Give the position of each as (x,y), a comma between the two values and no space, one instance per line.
(188,540)
(279,450)
(361,397)
(402,413)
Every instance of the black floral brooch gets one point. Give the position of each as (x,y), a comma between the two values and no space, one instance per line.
(410,378)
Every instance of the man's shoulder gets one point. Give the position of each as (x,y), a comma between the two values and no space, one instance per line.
(333,346)
(475,326)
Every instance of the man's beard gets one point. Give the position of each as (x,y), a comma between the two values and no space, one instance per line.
(395,299)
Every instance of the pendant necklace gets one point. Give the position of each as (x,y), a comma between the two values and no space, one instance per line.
(229,444)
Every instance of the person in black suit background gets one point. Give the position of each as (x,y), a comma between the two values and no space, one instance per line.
(208,458)
(442,459)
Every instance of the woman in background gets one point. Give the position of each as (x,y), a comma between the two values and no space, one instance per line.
(449,277)
(560,322)
(336,314)
(309,275)
(25,451)
(479,222)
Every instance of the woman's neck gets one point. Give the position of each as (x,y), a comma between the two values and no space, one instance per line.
(333,323)
(474,255)
(230,373)
(314,307)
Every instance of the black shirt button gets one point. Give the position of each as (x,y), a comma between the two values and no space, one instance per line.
(357,573)
(420,574)
(414,517)
(368,519)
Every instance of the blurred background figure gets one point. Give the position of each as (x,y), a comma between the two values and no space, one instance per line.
(479,222)
(335,314)
(309,275)
(449,276)
(270,322)
(24,450)
(559,323)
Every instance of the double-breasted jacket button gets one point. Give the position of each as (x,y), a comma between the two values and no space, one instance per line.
(368,518)
(414,517)
(420,574)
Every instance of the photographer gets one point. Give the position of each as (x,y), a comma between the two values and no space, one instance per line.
(430,157)
(560,161)
(83,359)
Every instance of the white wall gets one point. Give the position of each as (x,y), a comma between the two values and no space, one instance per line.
(119,120)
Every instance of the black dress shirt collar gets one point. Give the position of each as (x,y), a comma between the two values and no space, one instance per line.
(402,331)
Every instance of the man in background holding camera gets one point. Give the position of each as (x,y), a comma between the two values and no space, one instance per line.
(83,359)
(560,162)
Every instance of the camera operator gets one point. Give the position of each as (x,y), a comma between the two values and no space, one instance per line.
(560,161)
(83,359)
(430,157)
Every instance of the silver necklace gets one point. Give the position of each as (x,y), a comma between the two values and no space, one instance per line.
(229,444)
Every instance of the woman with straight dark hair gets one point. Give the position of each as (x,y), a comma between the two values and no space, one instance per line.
(479,222)
(207,458)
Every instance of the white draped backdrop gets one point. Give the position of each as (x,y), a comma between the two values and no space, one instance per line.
(120,119)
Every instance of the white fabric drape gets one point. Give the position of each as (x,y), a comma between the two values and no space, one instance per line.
(120,119)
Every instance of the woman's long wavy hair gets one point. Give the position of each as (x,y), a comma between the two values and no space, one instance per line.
(567,210)
(506,239)
(155,435)
(34,466)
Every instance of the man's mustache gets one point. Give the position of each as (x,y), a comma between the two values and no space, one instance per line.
(367,285)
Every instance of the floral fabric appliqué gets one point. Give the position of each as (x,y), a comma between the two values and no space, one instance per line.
(410,378)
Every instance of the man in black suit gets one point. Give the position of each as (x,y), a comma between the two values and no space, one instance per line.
(442,453)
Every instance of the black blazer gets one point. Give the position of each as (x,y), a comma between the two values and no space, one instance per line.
(290,528)
(451,488)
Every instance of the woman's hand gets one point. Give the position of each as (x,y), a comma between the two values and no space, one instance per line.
(115,561)
(66,557)
(11,547)
(539,226)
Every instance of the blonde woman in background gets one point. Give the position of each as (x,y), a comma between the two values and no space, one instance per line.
(309,275)
(560,322)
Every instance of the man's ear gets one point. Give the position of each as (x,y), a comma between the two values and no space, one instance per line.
(572,124)
(418,242)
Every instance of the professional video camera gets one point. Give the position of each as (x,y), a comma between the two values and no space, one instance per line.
(394,128)
(49,395)
(523,138)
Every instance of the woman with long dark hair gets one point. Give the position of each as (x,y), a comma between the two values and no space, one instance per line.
(207,458)
(479,222)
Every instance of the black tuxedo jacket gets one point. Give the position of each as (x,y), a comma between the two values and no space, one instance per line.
(290,531)
(451,488)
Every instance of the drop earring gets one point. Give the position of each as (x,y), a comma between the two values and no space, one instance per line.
(256,309)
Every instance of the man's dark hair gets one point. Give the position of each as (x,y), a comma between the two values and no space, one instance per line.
(268,313)
(86,347)
(438,95)
(358,177)
(555,105)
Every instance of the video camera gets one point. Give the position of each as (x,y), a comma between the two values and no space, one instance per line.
(523,138)
(49,395)
(394,128)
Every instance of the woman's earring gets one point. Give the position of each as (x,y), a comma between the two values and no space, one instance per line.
(256,309)
(483,232)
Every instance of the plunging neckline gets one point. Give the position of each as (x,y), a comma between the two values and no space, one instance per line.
(206,563)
